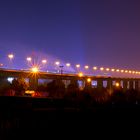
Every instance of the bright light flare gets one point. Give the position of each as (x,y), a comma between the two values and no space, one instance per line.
(35,69)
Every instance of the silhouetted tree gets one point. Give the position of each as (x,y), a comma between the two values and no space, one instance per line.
(19,85)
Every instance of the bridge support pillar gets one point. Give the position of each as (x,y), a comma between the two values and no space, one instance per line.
(109,86)
(137,85)
(125,84)
(99,83)
(131,84)
(88,85)
(33,83)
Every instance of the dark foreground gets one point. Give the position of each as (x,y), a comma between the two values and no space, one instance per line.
(26,115)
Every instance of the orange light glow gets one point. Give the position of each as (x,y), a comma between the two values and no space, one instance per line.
(35,69)
(80,74)
(88,80)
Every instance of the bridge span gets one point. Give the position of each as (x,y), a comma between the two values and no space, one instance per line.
(123,82)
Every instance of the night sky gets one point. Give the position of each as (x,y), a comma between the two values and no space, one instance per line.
(94,32)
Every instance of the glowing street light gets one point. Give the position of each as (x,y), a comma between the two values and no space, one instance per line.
(80,74)
(122,71)
(94,68)
(89,80)
(1,64)
(35,69)
(101,68)
(44,61)
(86,67)
(130,71)
(57,63)
(78,66)
(107,69)
(133,72)
(112,70)
(126,71)
(68,64)
(10,56)
(29,59)
(117,84)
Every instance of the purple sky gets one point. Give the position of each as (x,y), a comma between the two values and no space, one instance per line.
(94,32)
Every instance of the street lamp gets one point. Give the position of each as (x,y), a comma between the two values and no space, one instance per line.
(29,59)
(35,69)
(10,56)
(94,68)
(44,61)
(86,67)
(77,67)
(68,64)
(57,63)
(61,69)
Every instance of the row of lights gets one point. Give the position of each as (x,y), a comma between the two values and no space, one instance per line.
(44,61)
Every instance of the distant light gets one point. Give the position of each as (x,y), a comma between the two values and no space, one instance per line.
(35,70)
(126,71)
(133,72)
(29,91)
(57,63)
(95,68)
(130,71)
(117,84)
(112,70)
(117,70)
(10,79)
(78,66)
(10,56)
(29,59)
(122,71)
(101,68)
(80,74)
(136,72)
(107,69)
(68,64)
(86,67)
(44,61)
(1,65)
(89,80)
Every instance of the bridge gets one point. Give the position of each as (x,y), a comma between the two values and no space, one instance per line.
(85,80)
(86,75)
